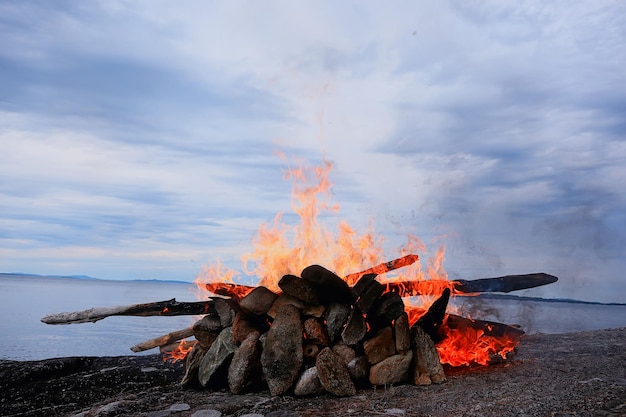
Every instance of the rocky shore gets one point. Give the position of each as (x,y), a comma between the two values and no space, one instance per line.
(574,374)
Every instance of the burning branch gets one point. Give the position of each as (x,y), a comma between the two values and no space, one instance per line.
(506,283)
(163,340)
(383,268)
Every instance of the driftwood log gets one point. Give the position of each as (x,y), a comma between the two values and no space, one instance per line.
(158,308)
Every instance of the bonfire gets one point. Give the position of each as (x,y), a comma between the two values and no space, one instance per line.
(327,313)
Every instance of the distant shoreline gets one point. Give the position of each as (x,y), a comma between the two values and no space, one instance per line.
(493,296)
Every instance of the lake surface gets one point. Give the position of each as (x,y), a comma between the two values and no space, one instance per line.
(24,300)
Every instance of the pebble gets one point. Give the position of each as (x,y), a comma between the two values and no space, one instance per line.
(179,407)
(395,411)
(207,413)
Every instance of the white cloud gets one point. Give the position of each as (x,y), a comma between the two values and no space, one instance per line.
(152,125)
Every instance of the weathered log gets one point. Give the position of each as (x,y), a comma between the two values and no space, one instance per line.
(159,308)
(166,339)
(505,283)
(489,328)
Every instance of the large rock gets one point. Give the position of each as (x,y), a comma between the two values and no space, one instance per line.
(281,301)
(393,370)
(402,333)
(381,346)
(217,357)
(258,301)
(329,287)
(192,364)
(226,308)
(206,330)
(345,352)
(244,324)
(333,374)
(299,288)
(244,369)
(385,310)
(316,332)
(337,315)
(355,328)
(367,292)
(281,359)
(427,366)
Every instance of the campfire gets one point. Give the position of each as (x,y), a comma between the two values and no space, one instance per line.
(307,329)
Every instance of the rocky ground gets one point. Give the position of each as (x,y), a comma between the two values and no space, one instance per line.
(576,374)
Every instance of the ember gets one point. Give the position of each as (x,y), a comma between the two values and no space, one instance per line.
(304,330)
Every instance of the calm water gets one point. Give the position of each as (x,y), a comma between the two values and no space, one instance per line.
(24,300)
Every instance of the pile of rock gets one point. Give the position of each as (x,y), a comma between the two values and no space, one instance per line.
(318,335)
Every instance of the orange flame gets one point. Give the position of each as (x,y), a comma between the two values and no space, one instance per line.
(467,346)
(280,248)
(180,352)
(472,346)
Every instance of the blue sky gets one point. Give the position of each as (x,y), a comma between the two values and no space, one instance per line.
(138,137)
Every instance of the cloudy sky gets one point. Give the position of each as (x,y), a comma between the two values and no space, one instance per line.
(138,137)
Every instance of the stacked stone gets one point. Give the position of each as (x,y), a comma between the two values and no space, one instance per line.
(318,335)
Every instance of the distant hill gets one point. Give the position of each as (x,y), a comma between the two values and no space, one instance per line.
(88,278)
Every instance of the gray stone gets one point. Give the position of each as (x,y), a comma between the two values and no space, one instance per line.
(359,369)
(281,301)
(245,324)
(179,407)
(308,383)
(207,413)
(300,288)
(333,374)
(192,364)
(345,352)
(336,317)
(282,356)
(355,328)
(427,366)
(381,346)
(369,297)
(258,301)
(402,333)
(226,308)
(330,288)
(206,330)
(385,310)
(393,370)
(395,411)
(315,332)
(244,369)
(220,352)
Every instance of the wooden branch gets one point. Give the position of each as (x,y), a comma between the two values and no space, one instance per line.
(228,289)
(159,308)
(383,268)
(164,340)
(506,283)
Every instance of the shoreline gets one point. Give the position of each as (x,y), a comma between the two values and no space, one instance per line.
(572,374)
